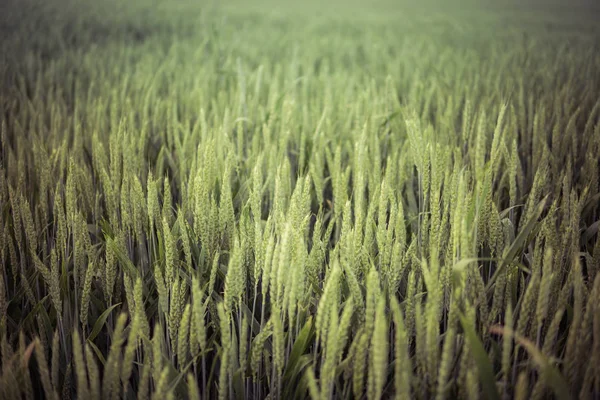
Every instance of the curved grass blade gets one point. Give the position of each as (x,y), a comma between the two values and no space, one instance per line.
(549,373)
(520,241)
(100,322)
(486,371)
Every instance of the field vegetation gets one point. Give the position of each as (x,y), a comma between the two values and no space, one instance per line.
(287,201)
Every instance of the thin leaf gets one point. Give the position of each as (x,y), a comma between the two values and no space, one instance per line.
(550,374)
(485,369)
(100,322)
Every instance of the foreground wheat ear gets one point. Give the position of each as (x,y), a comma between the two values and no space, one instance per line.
(290,201)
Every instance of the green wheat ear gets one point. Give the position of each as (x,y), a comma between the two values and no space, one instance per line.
(221,202)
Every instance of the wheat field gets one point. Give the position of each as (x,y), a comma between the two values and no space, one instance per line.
(277,200)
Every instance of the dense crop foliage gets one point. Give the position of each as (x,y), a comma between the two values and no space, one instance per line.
(302,202)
